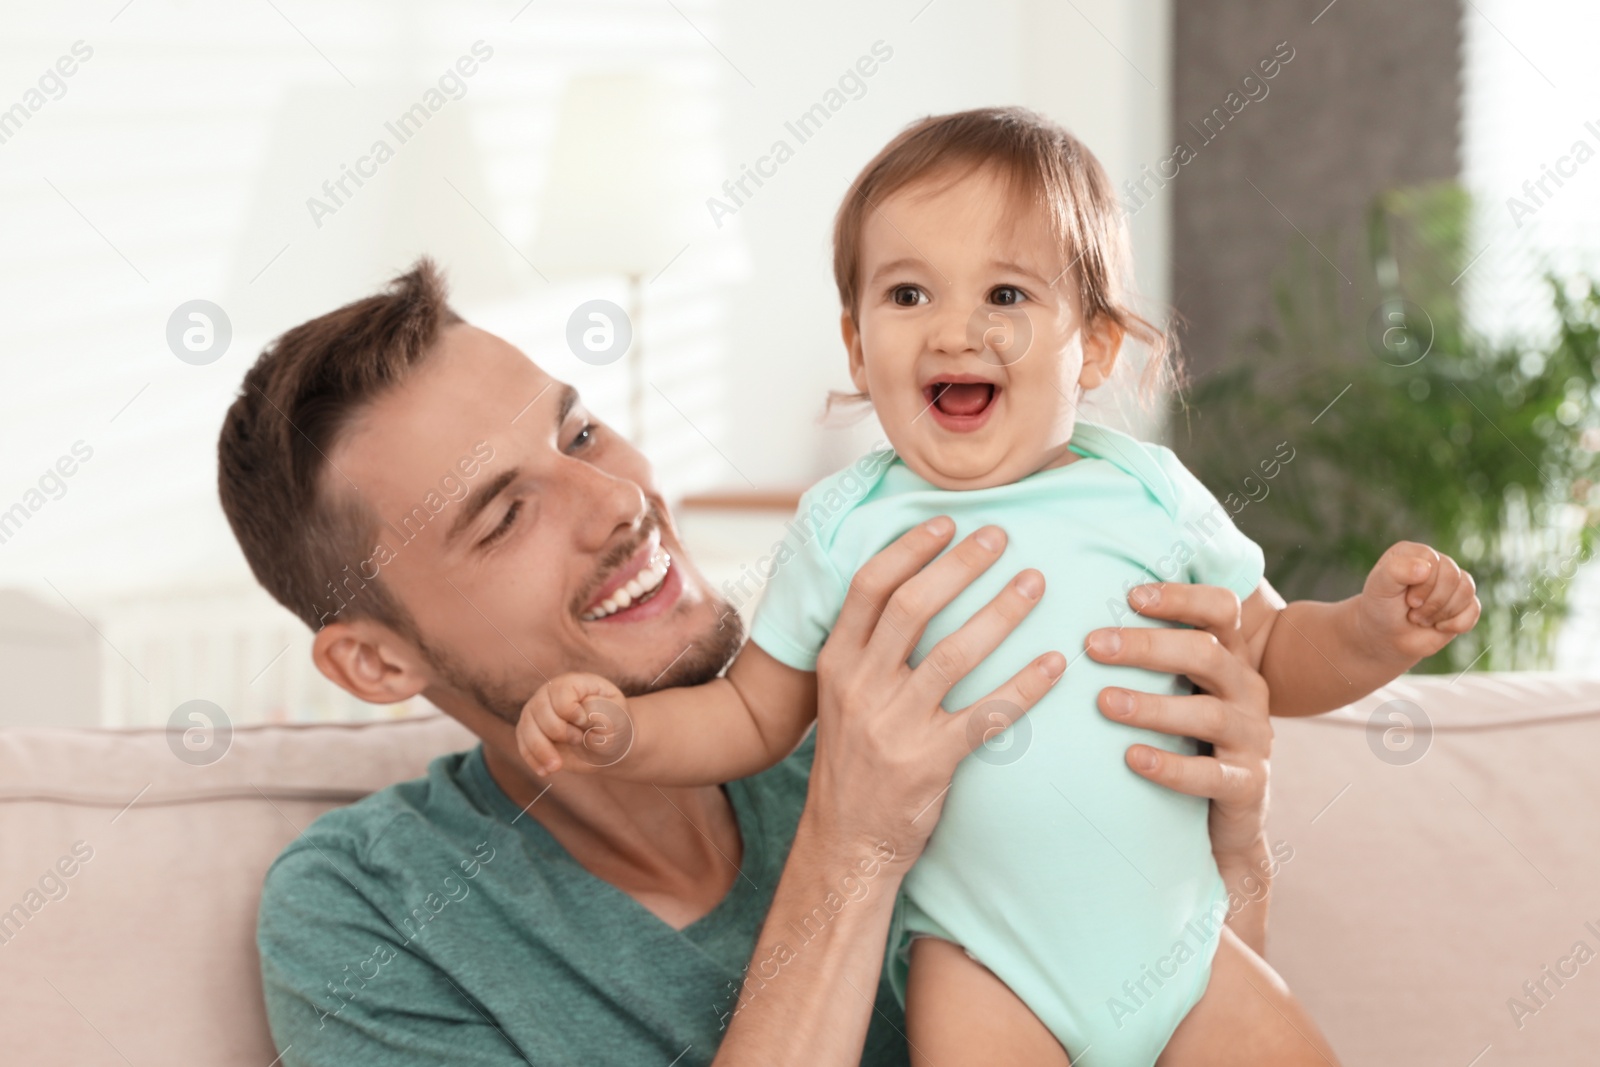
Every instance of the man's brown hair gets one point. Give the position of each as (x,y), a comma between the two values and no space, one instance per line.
(1044,165)
(304,528)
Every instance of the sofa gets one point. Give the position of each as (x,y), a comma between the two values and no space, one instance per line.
(1439,843)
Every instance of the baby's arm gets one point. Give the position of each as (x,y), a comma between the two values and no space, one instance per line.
(1316,657)
(728,728)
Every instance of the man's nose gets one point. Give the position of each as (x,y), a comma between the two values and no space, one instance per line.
(604,503)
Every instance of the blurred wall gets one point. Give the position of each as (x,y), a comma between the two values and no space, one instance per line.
(179,160)
(1100,67)
(1370,99)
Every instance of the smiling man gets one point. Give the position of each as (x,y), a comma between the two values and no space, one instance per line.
(486,915)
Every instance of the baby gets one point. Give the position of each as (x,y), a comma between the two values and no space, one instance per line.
(979,261)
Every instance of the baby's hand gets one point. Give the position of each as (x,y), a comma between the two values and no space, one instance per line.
(1415,602)
(582,716)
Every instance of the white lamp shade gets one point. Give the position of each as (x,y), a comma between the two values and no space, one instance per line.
(628,176)
(372,231)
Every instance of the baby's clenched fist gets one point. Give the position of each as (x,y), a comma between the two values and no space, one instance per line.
(1416,601)
(577,721)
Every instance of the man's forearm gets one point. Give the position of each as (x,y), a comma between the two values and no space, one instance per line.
(1316,659)
(809,992)
(1248,878)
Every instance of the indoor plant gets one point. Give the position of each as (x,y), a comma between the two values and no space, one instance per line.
(1399,421)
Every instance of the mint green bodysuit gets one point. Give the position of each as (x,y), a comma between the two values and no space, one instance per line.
(1091,892)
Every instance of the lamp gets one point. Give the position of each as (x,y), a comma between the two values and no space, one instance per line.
(621,194)
(289,264)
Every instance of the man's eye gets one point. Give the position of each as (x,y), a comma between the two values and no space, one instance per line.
(583,438)
(907,296)
(505,524)
(1006,295)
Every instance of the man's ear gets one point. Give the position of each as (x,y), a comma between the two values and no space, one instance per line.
(369,660)
(1102,342)
(852,344)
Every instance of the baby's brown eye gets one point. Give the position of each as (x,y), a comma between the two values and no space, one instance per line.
(1005,295)
(906,295)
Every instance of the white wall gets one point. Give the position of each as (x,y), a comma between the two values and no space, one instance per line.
(1531,94)
(176,163)
(948,55)
(1531,105)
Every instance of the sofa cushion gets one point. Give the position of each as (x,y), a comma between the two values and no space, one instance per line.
(1421,895)
(130,879)
(1430,882)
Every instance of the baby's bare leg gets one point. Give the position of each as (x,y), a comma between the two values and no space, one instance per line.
(1247,1016)
(958,1014)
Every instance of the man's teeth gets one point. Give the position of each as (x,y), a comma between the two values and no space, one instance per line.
(638,587)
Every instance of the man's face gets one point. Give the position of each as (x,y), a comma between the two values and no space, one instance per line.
(559,555)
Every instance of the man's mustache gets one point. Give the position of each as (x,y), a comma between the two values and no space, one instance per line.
(619,555)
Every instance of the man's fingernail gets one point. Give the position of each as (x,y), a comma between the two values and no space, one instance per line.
(1030,584)
(1144,759)
(1106,642)
(1119,702)
(1146,596)
(1053,665)
(991,538)
(939,525)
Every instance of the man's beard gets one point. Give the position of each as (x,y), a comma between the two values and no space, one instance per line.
(698,664)
(703,660)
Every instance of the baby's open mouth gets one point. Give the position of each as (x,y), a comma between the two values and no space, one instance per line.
(960,405)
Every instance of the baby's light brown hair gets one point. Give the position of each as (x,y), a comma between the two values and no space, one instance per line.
(1044,166)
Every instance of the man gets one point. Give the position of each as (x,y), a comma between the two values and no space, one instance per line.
(446,516)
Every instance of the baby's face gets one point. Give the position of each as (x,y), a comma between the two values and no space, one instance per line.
(968,338)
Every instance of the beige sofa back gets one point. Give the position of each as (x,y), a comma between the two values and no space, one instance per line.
(1420,896)
(145,953)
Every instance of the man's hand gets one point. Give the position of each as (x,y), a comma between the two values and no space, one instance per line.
(582,716)
(1230,712)
(885,753)
(1415,601)
(886,748)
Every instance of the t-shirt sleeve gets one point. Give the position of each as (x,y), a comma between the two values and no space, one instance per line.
(804,594)
(1219,553)
(342,991)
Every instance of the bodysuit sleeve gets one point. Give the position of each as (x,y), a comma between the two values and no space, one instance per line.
(1219,554)
(803,590)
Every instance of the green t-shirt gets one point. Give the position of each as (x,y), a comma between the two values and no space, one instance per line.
(435,923)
